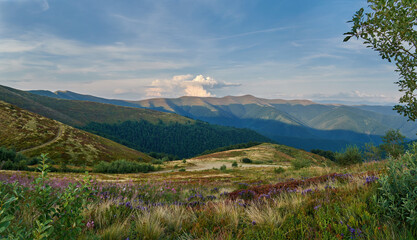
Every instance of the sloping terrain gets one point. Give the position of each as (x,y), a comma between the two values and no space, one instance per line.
(142,129)
(263,155)
(299,123)
(33,134)
(79,113)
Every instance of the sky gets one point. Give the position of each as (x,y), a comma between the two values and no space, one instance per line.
(287,49)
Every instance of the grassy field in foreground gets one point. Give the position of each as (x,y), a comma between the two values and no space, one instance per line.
(315,202)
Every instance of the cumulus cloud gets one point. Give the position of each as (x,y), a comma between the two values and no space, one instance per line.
(186,85)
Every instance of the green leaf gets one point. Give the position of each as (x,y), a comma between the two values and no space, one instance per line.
(346,38)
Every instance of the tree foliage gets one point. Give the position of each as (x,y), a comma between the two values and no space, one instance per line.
(397,194)
(178,140)
(324,153)
(123,166)
(391,29)
(393,143)
(351,155)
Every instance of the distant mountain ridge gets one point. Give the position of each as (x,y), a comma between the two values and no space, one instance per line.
(145,130)
(298,123)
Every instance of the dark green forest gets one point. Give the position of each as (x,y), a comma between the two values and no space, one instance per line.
(182,140)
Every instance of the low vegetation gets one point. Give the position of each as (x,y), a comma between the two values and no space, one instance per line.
(372,200)
(231,147)
(11,160)
(123,166)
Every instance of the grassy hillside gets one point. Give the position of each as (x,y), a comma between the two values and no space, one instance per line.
(267,153)
(303,124)
(33,134)
(79,113)
(142,129)
(299,123)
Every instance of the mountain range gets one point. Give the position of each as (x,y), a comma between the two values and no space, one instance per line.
(298,123)
(142,129)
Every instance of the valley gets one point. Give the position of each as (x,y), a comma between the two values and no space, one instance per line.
(208,120)
(297,123)
(246,187)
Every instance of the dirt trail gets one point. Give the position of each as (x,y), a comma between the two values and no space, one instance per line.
(61,130)
(201,165)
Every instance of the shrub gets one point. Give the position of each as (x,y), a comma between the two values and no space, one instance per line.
(279,170)
(184,161)
(57,214)
(223,168)
(234,164)
(123,166)
(372,152)
(299,163)
(157,161)
(182,170)
(393,143)
(246,160)
(324,153)
(351,155)
(397,195)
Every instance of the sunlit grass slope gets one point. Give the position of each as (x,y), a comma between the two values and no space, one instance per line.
(24,130)
(267,153)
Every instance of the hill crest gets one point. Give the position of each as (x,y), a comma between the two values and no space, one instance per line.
(33,134)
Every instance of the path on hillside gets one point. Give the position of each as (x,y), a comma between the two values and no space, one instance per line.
(200,166)
(58,135)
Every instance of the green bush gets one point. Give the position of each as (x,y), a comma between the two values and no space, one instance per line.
(234,164)
(397,194)
(299,163)
(182,170)
(223,168)
(246,160)
(157,161)
(59,214)
(393,143)
(324,153)
(372,152)
(351,155)
(279,170)
(123,166)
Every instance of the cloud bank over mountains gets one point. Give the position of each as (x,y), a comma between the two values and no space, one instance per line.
(140,49)
(186,85)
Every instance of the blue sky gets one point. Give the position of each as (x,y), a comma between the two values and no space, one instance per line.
(288,49)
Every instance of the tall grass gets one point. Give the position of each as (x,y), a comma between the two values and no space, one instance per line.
(335,206)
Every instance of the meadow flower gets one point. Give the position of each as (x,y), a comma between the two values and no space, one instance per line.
(90,224)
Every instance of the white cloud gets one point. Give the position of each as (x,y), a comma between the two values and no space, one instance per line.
(15,46)
(47,55)
(186,85)
(197,91)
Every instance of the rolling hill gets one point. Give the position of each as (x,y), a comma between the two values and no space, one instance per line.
(33,134)
(266,152)
(142,129)
(263,155)
(298,123)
